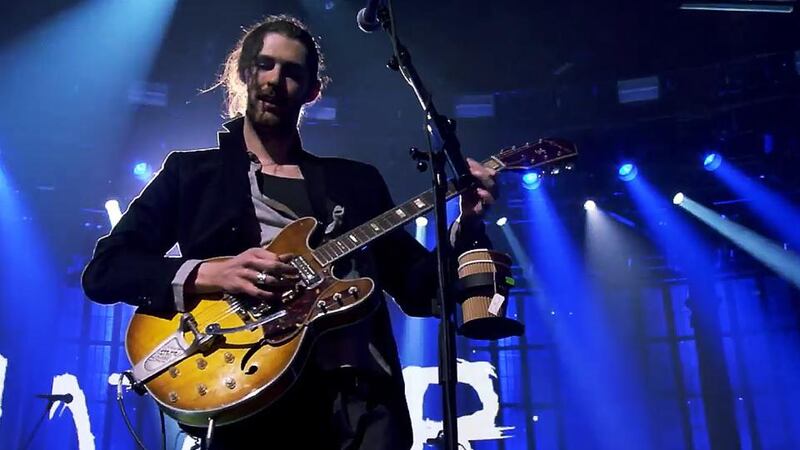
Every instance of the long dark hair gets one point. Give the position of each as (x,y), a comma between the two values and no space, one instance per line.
(241,59)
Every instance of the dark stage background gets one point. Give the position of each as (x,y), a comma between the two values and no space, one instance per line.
(646,328)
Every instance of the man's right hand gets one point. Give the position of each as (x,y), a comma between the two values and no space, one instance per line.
(240,275)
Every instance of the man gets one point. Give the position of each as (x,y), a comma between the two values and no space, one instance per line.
(233,200)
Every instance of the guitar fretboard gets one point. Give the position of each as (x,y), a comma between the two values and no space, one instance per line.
(396,217)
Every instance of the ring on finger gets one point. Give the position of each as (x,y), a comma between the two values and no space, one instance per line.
(261,278)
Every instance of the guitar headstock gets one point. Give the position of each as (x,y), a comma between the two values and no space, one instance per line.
(548,151)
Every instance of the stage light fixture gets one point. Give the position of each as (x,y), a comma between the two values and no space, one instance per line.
(531,180)
(502,221)
(678,198)
(142,171)
(627,172)
(589,205)
(421,221)
(712,161)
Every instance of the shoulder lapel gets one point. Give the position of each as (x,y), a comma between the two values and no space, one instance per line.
(318,190)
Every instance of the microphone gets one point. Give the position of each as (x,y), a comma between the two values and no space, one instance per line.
(367,18)
(66,398)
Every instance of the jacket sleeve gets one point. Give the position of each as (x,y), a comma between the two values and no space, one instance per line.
(406,269)
(129,264)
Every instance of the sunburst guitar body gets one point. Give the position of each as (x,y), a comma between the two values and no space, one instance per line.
(236,373)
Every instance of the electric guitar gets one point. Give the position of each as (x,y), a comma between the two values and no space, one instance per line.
(229,358)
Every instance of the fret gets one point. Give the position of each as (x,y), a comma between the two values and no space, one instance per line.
(347,241)
(388,221)
(352,236)
(409,209)
(330,255)
(343,244)
(419,202)
(375,227)
(338,248)
(493,164)
(400,212)
(320,256)
(361,234)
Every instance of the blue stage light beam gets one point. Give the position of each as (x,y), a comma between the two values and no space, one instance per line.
(683,248)
(521,257)
(33,291)
(777,213)
(627,172)
(586,336)
(784,262)
(82,64)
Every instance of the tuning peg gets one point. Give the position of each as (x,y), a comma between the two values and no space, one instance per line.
(422,166)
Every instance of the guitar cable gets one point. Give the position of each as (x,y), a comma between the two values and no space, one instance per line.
(120,394)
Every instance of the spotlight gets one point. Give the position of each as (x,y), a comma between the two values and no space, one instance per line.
(712,161)
(589,205)
(142,171)
(531,180)
(114,213)
(678,198)
(627,172)
(422,221)
(502,221)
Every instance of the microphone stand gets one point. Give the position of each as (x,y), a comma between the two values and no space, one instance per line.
(445,148)
(50,402)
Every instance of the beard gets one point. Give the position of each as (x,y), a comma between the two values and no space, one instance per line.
(271,113)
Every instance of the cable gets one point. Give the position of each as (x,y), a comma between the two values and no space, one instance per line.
(163,430)
(120,402)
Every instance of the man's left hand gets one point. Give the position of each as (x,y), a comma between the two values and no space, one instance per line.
(475,201)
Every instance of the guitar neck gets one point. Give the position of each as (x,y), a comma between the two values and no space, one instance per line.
(358,237)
